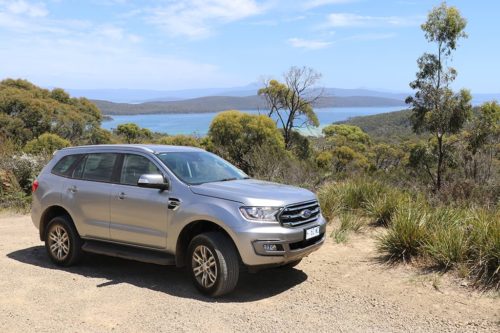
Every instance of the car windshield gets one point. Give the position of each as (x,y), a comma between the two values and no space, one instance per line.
(198,167)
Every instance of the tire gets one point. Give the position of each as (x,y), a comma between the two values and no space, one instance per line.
(213,263)
(291,264)
(62,242)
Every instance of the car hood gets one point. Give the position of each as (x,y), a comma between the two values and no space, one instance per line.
(254,192)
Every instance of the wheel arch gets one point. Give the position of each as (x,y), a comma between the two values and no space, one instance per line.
(49,214)
(190,231)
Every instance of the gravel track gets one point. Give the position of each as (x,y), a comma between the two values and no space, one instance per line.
(340,288)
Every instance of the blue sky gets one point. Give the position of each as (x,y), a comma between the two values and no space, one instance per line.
(167,45)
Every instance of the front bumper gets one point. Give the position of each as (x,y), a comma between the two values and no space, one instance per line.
(255,243)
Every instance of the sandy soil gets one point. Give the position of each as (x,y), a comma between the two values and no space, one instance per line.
(341,288)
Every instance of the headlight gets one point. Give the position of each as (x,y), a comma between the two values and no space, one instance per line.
(265,214)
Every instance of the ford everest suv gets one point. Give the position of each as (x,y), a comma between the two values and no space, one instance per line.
(172,205)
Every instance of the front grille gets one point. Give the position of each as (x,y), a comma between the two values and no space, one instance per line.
(298,214)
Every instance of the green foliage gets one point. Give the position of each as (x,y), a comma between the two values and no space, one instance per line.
(342,135)
(406,234)
(180,140)
(381,208)
(25,167)
(235,134)
(27,111)
(46,144)
(133,133)
(447,243)
(348,223)
(347,196)
(435,108)
(484,246)
(445,26)
(346,145)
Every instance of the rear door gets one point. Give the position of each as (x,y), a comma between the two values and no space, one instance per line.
(138,215)
(87,194)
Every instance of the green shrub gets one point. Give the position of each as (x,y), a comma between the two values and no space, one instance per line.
(348,223)
(447,242)
(484,246)
(407,233)
(382,208)
(180,140)
(46,144)
(17,202)
(349,196)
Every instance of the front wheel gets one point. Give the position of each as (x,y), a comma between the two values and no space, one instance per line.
(213,263)
(62,242)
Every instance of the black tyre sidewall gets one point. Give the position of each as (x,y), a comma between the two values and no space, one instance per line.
(75,242)
(210,240)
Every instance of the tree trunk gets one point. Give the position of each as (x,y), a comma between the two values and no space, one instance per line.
(440,162)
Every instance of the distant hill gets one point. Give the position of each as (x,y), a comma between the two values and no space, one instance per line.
(221,103)
(390,126)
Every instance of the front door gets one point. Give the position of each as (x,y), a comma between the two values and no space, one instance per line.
(138,215)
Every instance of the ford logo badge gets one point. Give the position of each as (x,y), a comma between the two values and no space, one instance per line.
(306,213)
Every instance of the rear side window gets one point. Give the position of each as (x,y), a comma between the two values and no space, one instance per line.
(98,167)
(65,165)
(135,166)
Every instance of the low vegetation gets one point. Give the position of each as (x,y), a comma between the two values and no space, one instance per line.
(429,175)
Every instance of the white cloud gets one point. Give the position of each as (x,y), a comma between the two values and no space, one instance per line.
(197,18)
(21,7)
(308,44)
(90,62)
(340,20)
(319,3)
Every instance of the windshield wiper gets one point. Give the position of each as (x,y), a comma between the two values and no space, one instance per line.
(226,179)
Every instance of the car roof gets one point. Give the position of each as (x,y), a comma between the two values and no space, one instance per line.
(149,148)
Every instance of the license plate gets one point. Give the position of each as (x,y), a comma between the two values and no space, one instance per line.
(312,232)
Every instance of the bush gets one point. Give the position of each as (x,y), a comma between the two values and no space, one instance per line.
(349,196)
(46,144)
(180,140)
(348,223)
(25,168)
(406,235)
(235,134)
(382,208)
(447,241)
(484,246)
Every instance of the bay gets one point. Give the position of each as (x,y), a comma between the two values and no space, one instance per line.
(198,123)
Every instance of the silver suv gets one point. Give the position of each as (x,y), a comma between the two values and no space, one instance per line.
(172,205)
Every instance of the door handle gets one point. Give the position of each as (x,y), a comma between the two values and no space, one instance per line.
(173,203)
(122,195)
(73,189)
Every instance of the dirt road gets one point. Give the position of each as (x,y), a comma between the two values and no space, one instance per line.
(341,288)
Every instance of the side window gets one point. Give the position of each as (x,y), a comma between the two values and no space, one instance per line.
(78,170)
(65,164)
(99,167)
(134,166)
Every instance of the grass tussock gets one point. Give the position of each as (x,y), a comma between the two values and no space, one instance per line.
(348,196)
(348,223)
(465,239)
(406,234)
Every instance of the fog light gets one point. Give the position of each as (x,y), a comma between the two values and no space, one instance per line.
(272,247)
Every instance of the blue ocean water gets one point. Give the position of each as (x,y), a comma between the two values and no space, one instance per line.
(198,123)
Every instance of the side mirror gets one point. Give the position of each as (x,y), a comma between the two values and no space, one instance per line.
(153,181)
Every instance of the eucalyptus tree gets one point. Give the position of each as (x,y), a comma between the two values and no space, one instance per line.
(292,101)
(435,107)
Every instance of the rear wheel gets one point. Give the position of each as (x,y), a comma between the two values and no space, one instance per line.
(213,263)
(62,242)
